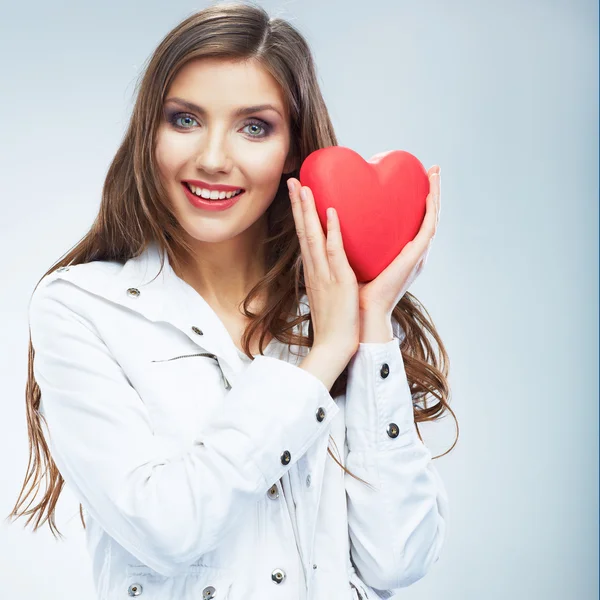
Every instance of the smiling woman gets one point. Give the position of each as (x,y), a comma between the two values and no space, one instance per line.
(196,374)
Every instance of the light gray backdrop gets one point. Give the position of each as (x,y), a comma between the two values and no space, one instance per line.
(504,96)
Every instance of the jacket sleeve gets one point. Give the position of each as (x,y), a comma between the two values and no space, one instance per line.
(397,529)
(164,503)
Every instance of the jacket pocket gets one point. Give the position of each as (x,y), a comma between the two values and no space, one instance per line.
(181,391)
(198,582)
(209,355)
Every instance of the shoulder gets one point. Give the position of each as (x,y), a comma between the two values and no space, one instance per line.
(67,286)
(96,273)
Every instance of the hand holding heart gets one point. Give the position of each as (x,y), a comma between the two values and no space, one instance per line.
(381,295)
(379,207)
(330,282)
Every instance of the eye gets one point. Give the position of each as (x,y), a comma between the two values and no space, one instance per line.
(174,118)
(254,123)
(188,121)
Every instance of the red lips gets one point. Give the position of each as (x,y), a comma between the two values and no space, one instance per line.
(212,186)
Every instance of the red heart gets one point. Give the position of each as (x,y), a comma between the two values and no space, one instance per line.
(380,203)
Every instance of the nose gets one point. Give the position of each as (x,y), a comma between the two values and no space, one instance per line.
(213,154)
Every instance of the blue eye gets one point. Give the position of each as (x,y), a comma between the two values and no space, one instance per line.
(174,118)
(262,125)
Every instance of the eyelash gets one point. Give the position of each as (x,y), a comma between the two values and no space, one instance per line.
(266,126)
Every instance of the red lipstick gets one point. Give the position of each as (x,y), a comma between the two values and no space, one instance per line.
(212,186)
(205,204)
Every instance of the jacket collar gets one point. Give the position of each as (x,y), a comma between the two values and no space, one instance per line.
(141,286)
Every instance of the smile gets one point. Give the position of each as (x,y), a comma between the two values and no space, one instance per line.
(211,194)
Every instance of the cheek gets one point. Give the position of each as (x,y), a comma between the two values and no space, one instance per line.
(161,156)
(265,165)
(169,153)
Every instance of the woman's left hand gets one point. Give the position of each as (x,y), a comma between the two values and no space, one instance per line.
(379,296)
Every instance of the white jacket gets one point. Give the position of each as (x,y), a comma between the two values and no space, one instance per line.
(206,476)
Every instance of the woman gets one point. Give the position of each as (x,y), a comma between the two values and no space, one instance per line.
(192,358)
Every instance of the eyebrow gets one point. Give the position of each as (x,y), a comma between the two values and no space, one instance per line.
(239,112)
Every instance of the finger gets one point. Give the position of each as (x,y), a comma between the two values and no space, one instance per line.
(435,187)
(428,227)
(439,197)
(338,261)
(298,213)
(415,248)
(315,237)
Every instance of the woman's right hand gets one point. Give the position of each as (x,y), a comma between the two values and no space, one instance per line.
(331,284)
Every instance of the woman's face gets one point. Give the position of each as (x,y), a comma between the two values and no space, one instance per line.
(202,138)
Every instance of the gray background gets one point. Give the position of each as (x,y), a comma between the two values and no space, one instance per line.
(504,96)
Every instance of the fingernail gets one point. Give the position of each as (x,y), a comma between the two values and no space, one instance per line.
(290,185)
(303,194)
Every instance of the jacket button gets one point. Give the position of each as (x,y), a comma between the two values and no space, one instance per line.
(208,593)
(134,292)
(285,458)
(135,589)
(392,430)
(273,492)
(278,575)
(385,371)
(320,414)
(197,330)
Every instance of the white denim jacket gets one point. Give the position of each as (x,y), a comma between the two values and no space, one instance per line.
(206,476)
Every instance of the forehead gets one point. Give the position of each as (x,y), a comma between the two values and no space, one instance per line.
(226,84)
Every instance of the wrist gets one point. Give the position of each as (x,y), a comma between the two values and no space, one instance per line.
(326,363)
(337,356)
(375,328)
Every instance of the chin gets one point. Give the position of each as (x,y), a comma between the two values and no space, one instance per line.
(212,231)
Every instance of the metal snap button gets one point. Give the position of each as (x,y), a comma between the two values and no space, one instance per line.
(392,430)
(320,414)
(197,330)
(134,292)
(135,589)
(308,480)
(385,370)
(273,492)
(208,593)
(278,575)
(285,458)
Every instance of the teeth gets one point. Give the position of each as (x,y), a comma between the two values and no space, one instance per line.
(212,194)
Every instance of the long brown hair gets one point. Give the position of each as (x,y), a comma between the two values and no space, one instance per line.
(135,211)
